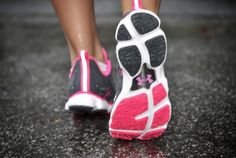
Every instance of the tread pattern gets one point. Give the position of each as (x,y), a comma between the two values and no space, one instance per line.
(159,94)
(144,23)
(123,34)
(129,127)
(131,116)
(161,116)
(130,58)
(127,110)
(157,50)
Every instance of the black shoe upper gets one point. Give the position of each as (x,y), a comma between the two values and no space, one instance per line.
(99,84)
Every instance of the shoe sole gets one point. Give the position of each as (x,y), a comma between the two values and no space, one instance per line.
(84,103)
(141,113)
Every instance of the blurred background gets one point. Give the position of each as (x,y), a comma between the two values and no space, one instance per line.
(34,66)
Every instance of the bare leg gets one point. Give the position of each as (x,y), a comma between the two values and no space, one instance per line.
(78,23)
(152,5)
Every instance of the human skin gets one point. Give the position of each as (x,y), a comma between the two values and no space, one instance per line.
(152,5)
(77,19)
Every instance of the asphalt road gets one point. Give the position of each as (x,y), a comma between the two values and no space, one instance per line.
(200,67)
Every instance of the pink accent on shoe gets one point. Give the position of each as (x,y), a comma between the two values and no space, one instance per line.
(71,72)
(108,67)
(110,104)
(126,111)
(73,67)
(107,94)
(124,122)
(124,135)
(152,134)
(90,93)
(159,93)
(149,78)
(161,116)
(137,4)
(86,53)
(107,62)
(142,80)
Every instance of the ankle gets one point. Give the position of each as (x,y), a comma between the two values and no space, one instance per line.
(98,51)
(98,55)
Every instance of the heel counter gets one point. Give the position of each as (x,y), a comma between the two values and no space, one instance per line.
(85,71)
(79,77)
(74,78)
(100,84)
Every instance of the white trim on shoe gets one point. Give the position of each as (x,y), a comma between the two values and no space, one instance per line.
(84,71)
(89,100)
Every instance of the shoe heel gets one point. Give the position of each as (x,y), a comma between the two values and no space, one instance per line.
(142,110)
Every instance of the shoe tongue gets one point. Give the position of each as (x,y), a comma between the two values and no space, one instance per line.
(102,66)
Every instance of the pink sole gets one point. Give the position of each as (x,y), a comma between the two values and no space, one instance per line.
(161,116)
(127,110)
(158,93)
(124,135)
(152,134)
(125,126)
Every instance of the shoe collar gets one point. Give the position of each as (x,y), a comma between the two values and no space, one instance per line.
(88,57)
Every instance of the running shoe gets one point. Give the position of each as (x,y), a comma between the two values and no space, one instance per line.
(90,85)
(142,108)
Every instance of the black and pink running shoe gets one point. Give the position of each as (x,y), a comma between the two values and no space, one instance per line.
(142,108)
(90,85)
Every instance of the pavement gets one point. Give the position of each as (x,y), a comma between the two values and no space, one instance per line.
(200,67)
